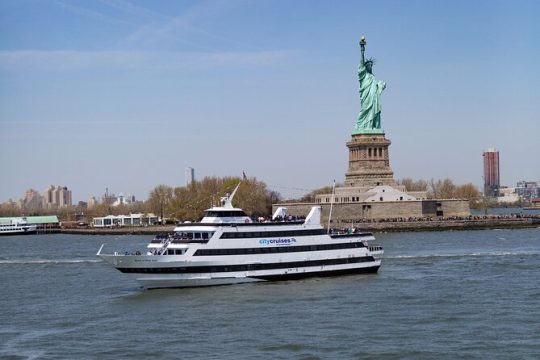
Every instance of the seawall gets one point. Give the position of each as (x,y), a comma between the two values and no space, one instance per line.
(388,226)
(446,225)
(149,230)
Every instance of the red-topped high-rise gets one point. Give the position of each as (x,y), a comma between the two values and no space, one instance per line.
(492,176)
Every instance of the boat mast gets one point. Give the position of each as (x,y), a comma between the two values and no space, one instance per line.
(331,205)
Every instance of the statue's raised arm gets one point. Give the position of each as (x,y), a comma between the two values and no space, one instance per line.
(362,49)
(369,119)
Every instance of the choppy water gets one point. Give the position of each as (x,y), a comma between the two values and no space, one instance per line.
(438,295)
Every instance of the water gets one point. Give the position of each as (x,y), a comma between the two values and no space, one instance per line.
(438,295)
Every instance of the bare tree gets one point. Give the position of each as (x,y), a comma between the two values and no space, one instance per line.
(413,185)
(189,203)
(159,200)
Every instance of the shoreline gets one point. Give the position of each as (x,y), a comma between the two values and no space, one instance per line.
(450,225)
(402,226)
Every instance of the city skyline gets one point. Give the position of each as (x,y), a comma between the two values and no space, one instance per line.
(122,94)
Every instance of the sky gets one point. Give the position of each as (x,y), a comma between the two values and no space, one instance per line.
(125,94)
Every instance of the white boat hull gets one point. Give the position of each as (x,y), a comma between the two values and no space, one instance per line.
(178,280)
(27,230)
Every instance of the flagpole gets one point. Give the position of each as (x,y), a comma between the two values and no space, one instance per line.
(331,205)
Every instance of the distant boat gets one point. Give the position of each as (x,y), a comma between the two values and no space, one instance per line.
(18,226)
(227,247)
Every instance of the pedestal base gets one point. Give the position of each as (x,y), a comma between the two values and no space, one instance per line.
(369,161)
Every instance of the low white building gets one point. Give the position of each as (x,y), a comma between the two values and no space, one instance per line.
(382,193)
(508,195)
(125,220)
(388,193)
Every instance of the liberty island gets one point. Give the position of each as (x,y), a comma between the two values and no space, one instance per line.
(370,190)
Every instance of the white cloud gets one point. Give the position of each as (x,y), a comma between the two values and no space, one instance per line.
(185,28)
(129,8)
(67,60)
(88,13)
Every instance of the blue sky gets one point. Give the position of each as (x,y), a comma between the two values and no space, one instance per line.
(125,94)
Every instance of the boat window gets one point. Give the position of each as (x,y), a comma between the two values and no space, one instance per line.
(230,213)
(178,252)
(279,249)
(170,252)
(286,233)
(197,235)
(205,235)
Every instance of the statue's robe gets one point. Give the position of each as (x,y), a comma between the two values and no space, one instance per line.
(370,94)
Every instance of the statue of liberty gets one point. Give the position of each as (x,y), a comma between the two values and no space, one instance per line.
(369,119)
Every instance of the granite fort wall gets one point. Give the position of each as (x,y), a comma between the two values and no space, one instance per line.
(354,212)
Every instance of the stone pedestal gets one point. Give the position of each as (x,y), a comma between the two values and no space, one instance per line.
(369,161)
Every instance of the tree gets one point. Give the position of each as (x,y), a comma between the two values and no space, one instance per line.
(310,197)
(253,196)
(444,189)
(413,185)
(159,200)
(447,189)
(10,209)
(469,192)
(98,210)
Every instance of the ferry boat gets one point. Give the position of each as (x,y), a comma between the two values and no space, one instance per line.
(17,226)
(228,247)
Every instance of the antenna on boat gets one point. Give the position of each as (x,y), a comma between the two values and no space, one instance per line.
(226,201)
(331,205)
(234,191)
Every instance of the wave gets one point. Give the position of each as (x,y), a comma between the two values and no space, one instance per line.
(479,254)
(17,347)
(48,261)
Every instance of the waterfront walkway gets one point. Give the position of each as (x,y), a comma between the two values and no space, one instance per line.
(380,225)
(472,222)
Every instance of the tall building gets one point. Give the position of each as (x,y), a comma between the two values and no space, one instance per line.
(32,200)
(57,196)
(92,202)
(190,175)
(492,181)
